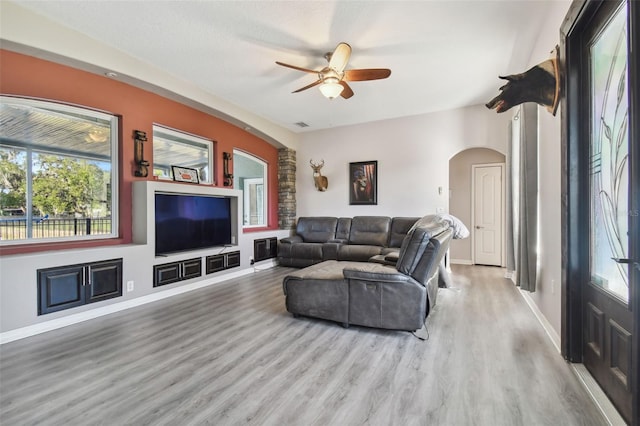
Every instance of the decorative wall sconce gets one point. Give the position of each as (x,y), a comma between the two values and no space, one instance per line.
(142,166)
(228,177)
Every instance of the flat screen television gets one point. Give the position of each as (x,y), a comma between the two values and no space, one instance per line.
(191,222)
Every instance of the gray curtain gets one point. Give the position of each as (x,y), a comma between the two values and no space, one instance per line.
(511,260)
(527,236)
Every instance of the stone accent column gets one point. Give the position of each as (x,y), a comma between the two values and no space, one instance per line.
(286,188)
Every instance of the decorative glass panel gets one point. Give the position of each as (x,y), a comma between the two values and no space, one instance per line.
(609,150)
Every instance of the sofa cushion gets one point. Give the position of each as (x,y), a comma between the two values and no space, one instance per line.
(307,251)
(291,240)
(330,250)
(317,229)
(357,252)
(400,226)
(343,228)
(370,230)
(297,262)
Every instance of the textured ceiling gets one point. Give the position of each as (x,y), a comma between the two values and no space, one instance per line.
(443,54)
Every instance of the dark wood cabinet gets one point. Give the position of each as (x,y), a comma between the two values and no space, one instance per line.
(215,263)
(105,281)
(265,248)
(222,261)
(69,286)
(168,273)
(233,259)
(191,268)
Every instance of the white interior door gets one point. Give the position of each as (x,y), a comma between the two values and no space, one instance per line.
(488,214)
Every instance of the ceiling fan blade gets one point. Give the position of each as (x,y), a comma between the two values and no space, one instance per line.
(296,68)
(346,91)
(367,74)
(308,86)
(340,57)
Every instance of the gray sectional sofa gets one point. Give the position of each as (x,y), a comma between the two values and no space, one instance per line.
(355,239)
(377,275)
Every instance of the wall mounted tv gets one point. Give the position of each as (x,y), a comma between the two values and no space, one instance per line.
(191,222)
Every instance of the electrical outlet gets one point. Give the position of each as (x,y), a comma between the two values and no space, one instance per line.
(553,286)
(251,261)
(129,285)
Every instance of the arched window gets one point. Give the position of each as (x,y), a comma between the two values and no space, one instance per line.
(250,176)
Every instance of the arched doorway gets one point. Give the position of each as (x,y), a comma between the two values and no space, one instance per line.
(461,195)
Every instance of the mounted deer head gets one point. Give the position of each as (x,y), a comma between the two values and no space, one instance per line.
(539,84)
(321,181)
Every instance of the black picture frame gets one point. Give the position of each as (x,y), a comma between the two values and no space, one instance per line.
(185,174)
(363,183)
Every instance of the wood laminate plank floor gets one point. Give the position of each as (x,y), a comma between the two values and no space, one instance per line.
(230,354)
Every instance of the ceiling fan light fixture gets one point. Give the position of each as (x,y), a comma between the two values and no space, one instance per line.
(333,79)
(98,135)
(331,88)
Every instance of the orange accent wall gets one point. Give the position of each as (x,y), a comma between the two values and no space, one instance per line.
(138,110)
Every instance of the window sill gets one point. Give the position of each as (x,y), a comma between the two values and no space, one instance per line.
(259,229)
(57,246)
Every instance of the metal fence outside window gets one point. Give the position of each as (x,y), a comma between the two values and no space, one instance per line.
(16,229)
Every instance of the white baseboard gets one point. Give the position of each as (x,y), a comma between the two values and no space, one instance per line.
(32,330)
(548,328)
(598,396)
(461,262)
(588,382)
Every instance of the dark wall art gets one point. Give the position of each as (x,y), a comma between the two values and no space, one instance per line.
(363,182)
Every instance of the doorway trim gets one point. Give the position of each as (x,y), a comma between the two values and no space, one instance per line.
(503,228)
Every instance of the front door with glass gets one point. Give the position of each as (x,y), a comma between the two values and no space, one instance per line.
(606,304)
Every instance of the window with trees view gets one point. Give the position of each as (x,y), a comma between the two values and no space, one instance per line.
(58,177)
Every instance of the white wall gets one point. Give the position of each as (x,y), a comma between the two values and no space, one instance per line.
(413,160)
(547,294)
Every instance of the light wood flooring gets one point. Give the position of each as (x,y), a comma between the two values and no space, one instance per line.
(230,354)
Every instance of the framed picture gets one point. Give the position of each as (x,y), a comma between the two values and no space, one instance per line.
(185,174)
(363,182)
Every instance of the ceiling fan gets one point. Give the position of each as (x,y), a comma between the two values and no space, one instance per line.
(333,78)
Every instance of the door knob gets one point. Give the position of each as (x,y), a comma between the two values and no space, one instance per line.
(479,227)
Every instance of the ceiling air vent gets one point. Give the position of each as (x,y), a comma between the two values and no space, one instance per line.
(301,124)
